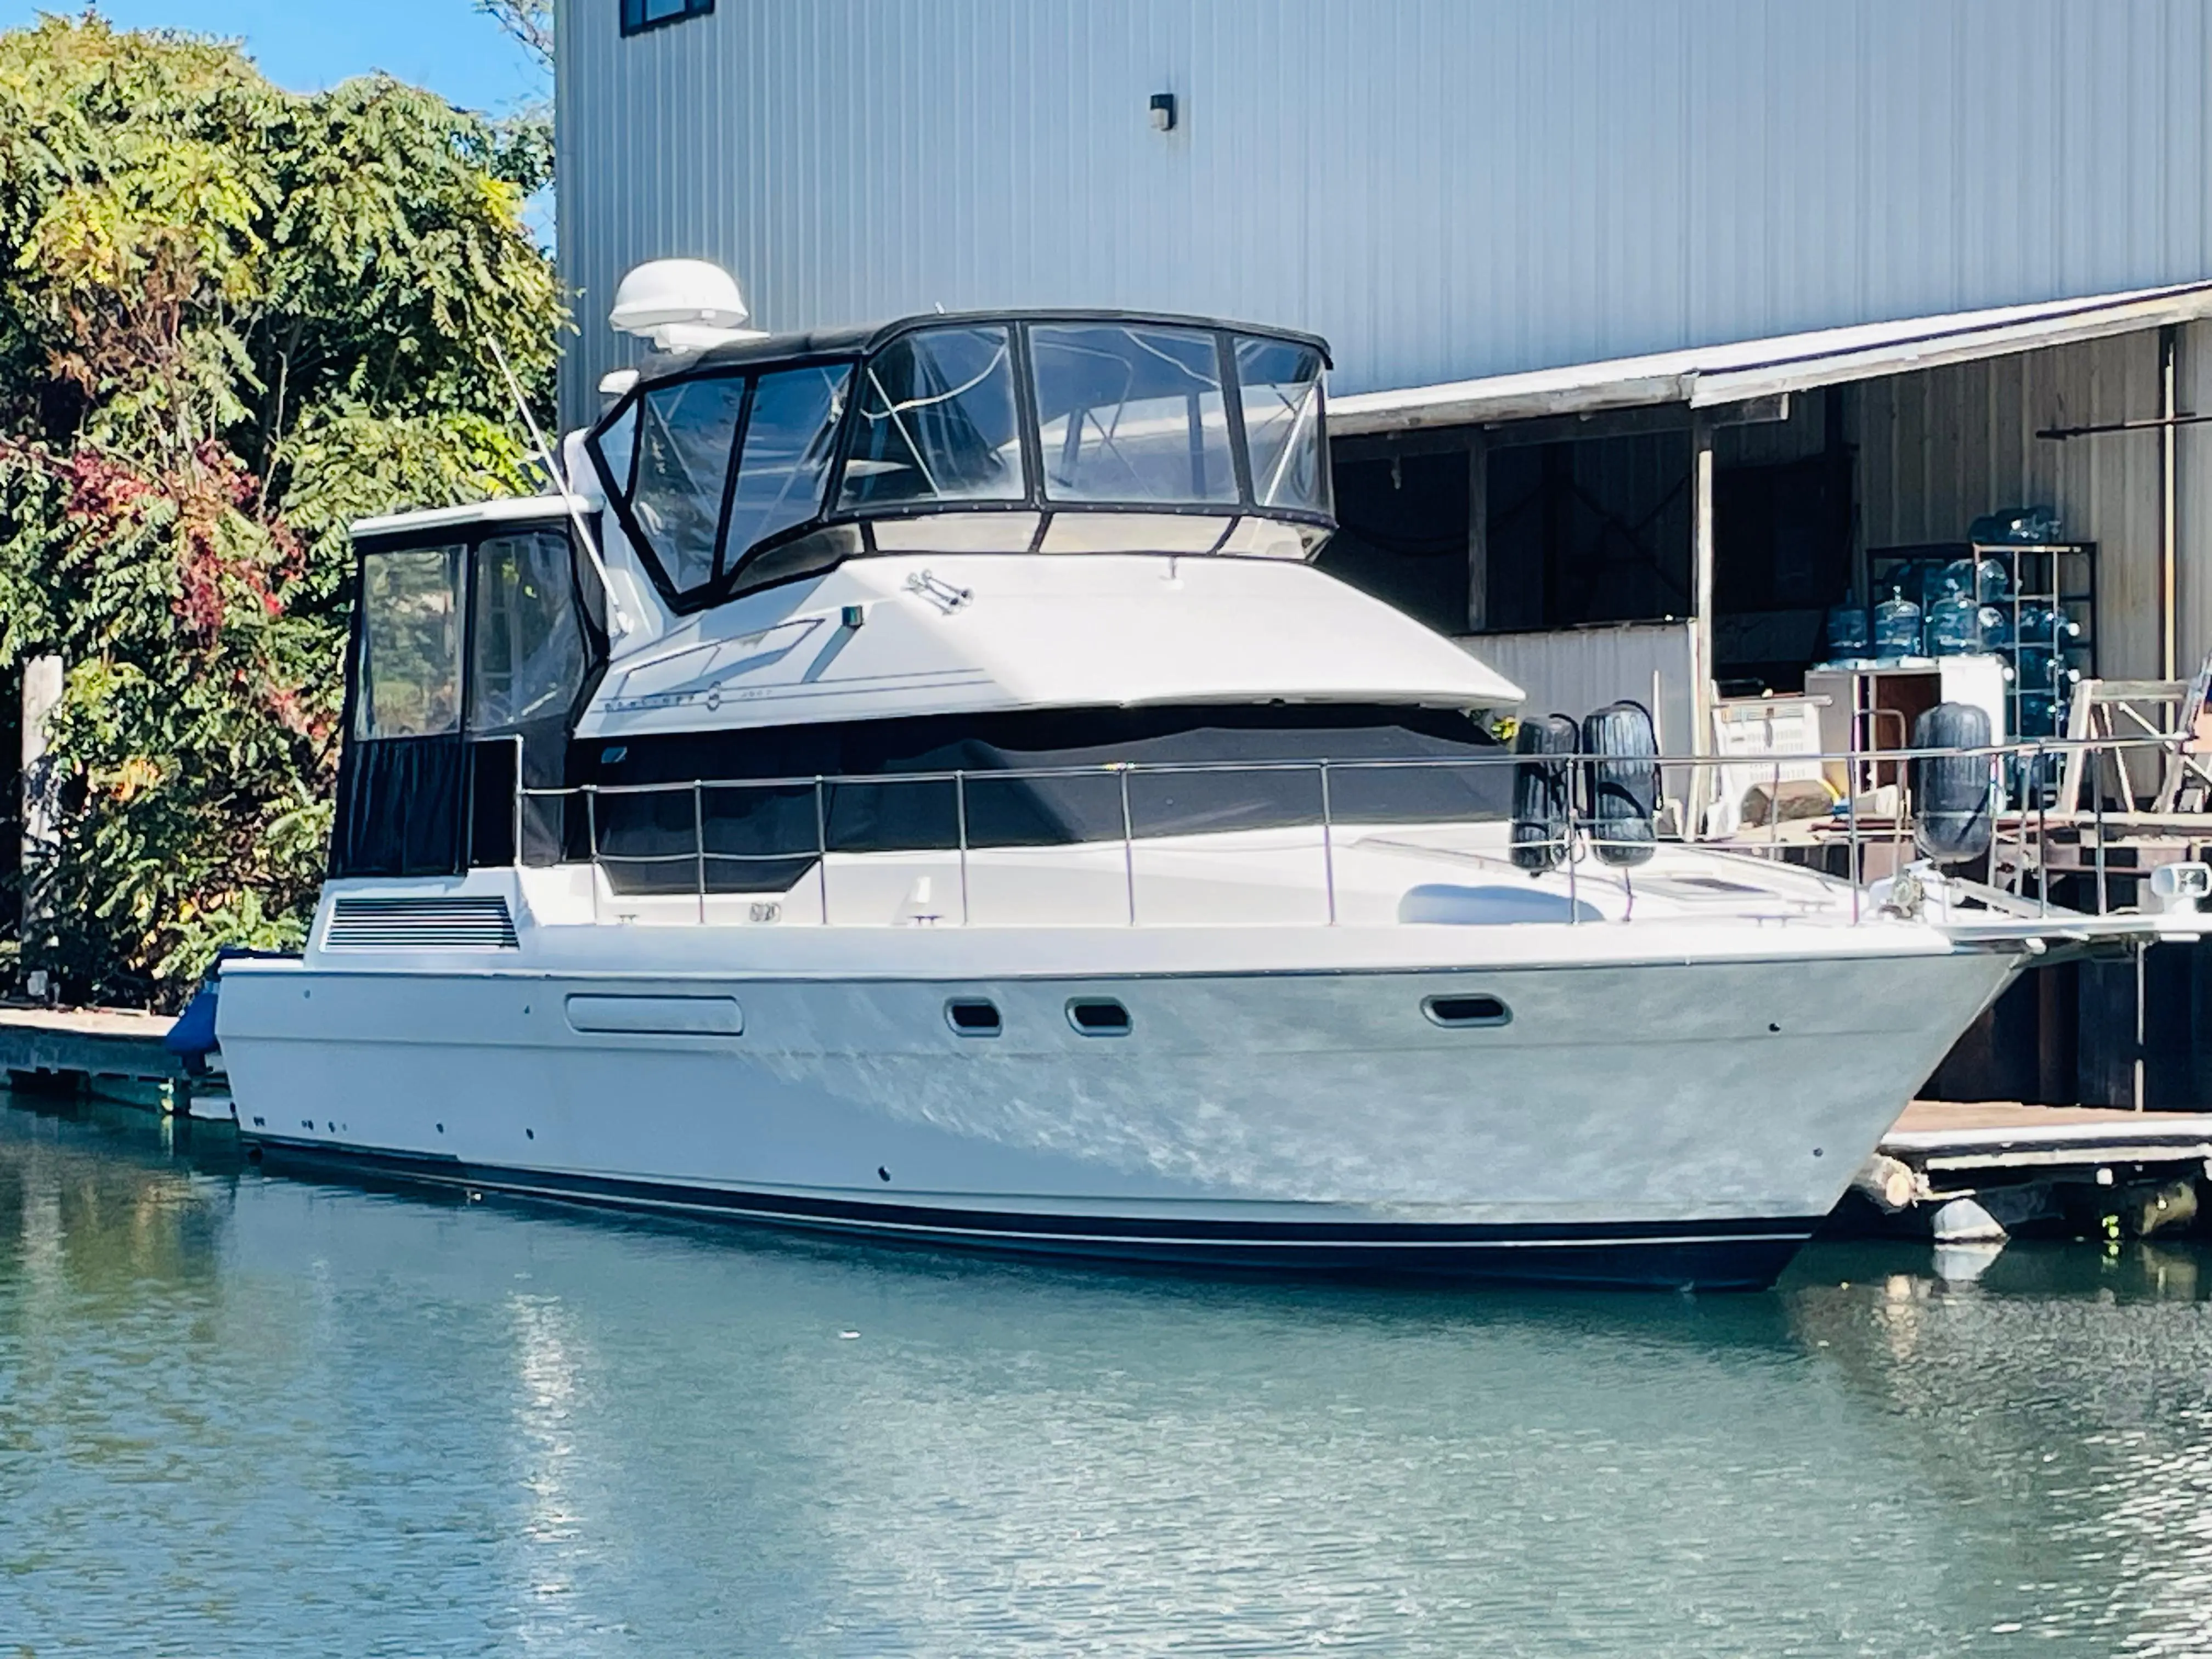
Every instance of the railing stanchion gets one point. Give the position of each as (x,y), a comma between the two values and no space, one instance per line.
(2097,801)
(1574,897)
(1328,845)
(517,800)
(1774,813)
(1128,844)
(2042,838)
(592,838)
(699,843)
(822,850)
(960,813)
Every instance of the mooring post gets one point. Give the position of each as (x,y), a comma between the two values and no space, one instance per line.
(42,693)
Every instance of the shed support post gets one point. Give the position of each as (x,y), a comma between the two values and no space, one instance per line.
(2169,343)
(1701,601)
(1478,534)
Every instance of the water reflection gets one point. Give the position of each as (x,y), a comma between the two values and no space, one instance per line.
(247,1414)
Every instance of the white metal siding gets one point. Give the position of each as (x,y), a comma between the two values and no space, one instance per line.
(1446,188)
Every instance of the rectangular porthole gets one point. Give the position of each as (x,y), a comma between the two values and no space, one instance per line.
(1098,1017)
(1456,1011)
(973,1016)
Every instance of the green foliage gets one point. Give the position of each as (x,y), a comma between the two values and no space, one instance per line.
(232,319)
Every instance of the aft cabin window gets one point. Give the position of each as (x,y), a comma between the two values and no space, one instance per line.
(469,661)
(527,651)
(411,644)
(1133,414)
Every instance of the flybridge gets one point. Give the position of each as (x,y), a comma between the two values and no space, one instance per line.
(767,458)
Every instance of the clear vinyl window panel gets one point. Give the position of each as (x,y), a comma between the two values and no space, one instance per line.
(1278,390)
(937,423)
(1133,414)
(408,671)
(527,651)
(641,14)
(789,436)
(685,432)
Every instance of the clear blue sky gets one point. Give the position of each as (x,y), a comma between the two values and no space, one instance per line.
(305,44)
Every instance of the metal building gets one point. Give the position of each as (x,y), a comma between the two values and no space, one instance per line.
(1444,188)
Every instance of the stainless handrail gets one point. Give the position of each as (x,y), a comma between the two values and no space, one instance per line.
(1577,840)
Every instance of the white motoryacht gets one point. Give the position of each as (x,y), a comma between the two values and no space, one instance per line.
(915,784)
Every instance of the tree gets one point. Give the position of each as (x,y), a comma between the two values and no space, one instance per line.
(232,319)
(530,21)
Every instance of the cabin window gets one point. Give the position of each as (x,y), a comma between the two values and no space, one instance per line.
(526,643)
(937,423)
(1279,385)
(685,434)
(1133,415)
(789,435)
(410,671)
(638,15)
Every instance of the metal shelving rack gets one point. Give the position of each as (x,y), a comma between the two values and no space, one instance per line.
(2049,638)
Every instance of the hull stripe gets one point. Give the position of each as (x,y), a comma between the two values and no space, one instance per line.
(1764,1243)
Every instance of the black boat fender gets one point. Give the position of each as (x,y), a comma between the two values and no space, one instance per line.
(1954,795)
(1624,783)
(1543,792)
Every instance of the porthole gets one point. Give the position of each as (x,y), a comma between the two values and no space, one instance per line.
(973,1016)
(1098,1017)
(1456,1011)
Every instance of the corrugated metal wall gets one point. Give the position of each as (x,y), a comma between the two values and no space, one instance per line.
(1444,187)
(1940,448)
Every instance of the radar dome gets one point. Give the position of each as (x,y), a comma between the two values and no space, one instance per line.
(682,305)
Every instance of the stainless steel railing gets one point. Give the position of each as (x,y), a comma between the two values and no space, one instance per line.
(2024,827)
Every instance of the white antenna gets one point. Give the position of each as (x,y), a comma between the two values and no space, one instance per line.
(617,622)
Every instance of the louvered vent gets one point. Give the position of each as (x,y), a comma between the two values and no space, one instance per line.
(420,924)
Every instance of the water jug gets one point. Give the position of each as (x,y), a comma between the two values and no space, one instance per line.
(1850,636)
(1896,626)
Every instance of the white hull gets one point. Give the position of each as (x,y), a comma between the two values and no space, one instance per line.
(1280,1100)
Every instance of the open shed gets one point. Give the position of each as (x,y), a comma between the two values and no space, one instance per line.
(1673,528)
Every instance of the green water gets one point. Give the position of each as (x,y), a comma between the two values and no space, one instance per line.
(247,1415)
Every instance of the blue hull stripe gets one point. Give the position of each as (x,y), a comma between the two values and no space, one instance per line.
(1729,1252)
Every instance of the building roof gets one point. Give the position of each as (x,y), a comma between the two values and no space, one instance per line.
(1703,376)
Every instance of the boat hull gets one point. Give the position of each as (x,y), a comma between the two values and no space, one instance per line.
(1683,1123)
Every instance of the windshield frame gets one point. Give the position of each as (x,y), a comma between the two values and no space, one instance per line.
(754,363)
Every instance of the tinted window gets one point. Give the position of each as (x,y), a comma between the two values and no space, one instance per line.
(788,437)
(410,670)
(1279,388)
(527,648)
(937,422)
(1132,414)
(683,440)
(638,14)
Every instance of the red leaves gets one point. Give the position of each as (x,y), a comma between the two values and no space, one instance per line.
(102,491)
